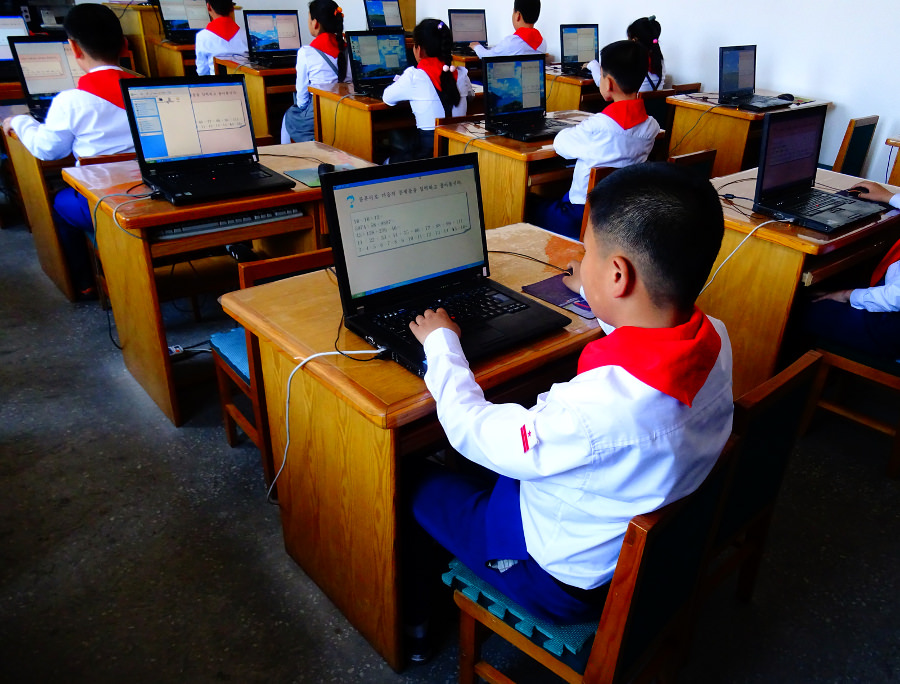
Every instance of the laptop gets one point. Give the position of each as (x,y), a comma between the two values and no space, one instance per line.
(410,236)
(467,26)
(515,100)
(580,43)
(10,26)
(181,19)
(273,37)
(383,14)
(194,138)
(791,140)
(376,56)
(46,67)
(737,80)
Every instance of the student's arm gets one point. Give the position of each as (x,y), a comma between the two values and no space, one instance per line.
(882,298)
(501,49)
(303,95)
(594,67)
(54,138)
(573,142)
(400,90)
(203,55)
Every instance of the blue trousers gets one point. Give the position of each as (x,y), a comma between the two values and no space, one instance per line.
(72,218)
(868,331)
(560,216)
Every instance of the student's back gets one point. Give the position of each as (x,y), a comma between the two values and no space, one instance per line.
(527,40)
(222,36)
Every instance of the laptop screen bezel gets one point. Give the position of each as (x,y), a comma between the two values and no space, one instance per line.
(562,55)
(728,95)
(534,112)
(366,4)
(255,54)
(465,43)
(375,174)
(773,118)
(356,67)
(34,98)
(8,69)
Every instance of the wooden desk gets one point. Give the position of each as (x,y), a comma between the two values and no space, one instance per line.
(11,90)
(735,134)
(755,290)
(141,24)
(173,60)
(129,255)
(270,92)
(566,92)
(352,424)
(508,168)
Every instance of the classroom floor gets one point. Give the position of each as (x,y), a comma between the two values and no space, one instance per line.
(134,551)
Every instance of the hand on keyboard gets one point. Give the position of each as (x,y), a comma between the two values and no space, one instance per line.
(426,323)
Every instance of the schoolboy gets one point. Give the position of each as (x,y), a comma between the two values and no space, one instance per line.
(640,425)
(86,121)
(620,135)
(222,36)
(527,40)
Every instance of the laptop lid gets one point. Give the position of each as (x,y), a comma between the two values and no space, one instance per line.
(789,153)
(376,56)
(514,89)
(46,67)
(580,43)
(10,26)
(383,14)
(467,26)
(272,33)
(181,19)
(179,124)
(737,72)
(399,230)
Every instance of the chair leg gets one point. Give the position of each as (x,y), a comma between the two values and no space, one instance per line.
(225,395)
(756,537)
(893,469)
(472,635)
(814,395)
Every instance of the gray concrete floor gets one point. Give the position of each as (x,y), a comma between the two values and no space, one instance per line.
(134,551)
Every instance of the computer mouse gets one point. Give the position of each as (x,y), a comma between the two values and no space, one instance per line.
(785,96)
(325,167)
(855,192)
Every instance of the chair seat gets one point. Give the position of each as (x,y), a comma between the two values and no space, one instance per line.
(232,348)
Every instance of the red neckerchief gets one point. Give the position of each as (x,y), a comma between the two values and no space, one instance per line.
(531,36)
(434,67)
(883,265)
(224,27)
(104,83)
(327,43)
(676,361)
(626,113)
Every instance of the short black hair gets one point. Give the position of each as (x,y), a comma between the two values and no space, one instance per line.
(97,31)
(626,61)
(530,10)
(221,7)
(668,220)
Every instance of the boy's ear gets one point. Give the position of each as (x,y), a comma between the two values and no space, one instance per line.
(623,275)
(76,49)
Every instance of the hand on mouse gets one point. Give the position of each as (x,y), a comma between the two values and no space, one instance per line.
(872,191)
(426,323)
(573,280)
(842,296)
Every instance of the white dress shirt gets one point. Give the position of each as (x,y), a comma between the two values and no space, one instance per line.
(312,69)
(415,86)
(511,45)
(208,46)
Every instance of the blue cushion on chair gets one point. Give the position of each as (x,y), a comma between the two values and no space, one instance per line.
(232,347)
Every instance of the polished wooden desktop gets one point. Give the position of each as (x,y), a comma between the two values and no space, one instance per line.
(353,424)
(754,292)
(174,60)
(270,92)
(699,123)
(566,91)
(508,168)
(130,256)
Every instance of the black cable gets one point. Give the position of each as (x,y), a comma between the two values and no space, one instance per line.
(729,196)
(530,258)
(699,119)
(887,169)
(352,358)
(109,327)
(336,108)
(292,156)
(732,182)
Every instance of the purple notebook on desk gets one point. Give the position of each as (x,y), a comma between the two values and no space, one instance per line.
(554,291)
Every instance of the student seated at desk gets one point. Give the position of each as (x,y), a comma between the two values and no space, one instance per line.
(323,62)
(433,88)
(527,40)
(87,121)
(222,36)
(620,135)
(865,318)
(640,425)
(645,31)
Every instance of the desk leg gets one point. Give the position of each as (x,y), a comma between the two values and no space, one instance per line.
(352,132)
(725,134)
(338,500)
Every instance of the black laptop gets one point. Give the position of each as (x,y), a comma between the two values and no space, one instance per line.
(788,159)
(376,56)
(467,26)
(10,26)
(737,80)
(515,100)
(46,66)
(410,236)
(273,37)
(194,138)
(383,14)
(181,19)
(579,44)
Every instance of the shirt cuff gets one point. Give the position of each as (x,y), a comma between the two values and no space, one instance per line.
(442,341)
(856,295)
(895,201)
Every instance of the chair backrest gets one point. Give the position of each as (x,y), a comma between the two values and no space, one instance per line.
(653,589)
(107,158)
(895,169)
(686,88)
(656,105)
(598,173)
(252,273)
(702,161)
(855,146)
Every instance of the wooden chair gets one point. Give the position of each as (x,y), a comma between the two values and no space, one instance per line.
(648,608)
(880,371)
(598,173)
(656,105)
(237,362)
(702,161)
(895,169)
(686,88)
(767,419)
(854,147)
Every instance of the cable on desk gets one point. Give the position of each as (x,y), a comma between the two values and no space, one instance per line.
(887,169)
(552,85)
(740,244)
(293,156)
(116,209)
(699,119)
(481,137)
(732,182)
(530,258)
(336,108)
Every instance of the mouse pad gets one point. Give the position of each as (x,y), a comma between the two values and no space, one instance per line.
(310,177)
(554,291)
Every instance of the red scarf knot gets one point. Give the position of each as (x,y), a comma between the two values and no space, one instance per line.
(224,27)
(104,83)
(327,43)
(434,68)
(531,36)
(626,113)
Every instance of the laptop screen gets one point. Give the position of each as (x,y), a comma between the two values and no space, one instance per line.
(383,14)
(514,85)
(737,71)
(175,121)
(183,15)
(48,65)
(468,26)
(399,228)
(377,55)
(580,43)
(272,33)
(790,149)
(10,26)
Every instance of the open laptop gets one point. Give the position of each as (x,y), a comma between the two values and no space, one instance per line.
(194,138)
(181,19)
(273,37)
(467,26)
(383,14)
(737,80)
(580,43)
(376,56)
(411,236)
(515,100)
(46,67)
(791,140)
(10,26)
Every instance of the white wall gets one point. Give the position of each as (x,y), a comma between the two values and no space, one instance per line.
(846,52)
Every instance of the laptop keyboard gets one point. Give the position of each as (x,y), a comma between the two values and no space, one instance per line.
(221,177)
(815,202)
